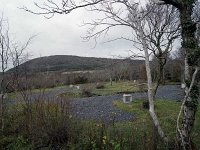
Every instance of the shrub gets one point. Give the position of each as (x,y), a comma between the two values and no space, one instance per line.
(86,91)
(80,80)
(145,104)
(142,87)
(45,122)
(19,143)
(100,86)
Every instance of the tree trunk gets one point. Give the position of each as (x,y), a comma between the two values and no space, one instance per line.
(151,91)
(190,44)
(111,81)
(2,101)
(183,134)
(2,113)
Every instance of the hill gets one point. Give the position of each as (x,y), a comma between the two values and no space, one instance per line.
(70,63)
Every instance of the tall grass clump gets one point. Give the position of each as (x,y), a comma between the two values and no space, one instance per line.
(38,123)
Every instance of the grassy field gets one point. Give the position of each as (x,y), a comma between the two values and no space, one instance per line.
(137,134)
(91,89)
(119,87)
(167,112)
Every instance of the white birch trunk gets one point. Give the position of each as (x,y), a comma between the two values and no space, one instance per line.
(151,90)
(188,114)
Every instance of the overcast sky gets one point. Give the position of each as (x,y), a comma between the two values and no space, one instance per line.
(60,35)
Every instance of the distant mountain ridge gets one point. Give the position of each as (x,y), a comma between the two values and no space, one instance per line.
(69,63)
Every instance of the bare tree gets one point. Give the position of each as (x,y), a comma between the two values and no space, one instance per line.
(110,70)
(160,29)
(10,53)
(50,7)
(4,57)
(196,19)
(18,56)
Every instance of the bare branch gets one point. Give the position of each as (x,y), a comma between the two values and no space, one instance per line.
(66,6)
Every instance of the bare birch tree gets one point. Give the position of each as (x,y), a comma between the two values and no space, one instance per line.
(160,29)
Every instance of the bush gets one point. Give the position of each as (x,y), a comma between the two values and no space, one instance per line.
(44,122)
(100,86)
(86,91)
(142,87)
(145,104)
(80,80)
(19,143)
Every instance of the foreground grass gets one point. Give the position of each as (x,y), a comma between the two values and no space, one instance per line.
(48,125)
(167,112)
(71,95)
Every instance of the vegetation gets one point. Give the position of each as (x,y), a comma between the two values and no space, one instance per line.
(120,87)
(49,125)
(39,124)
(100,86)
(71,95)
(167,112)
(69,63)
(104,89)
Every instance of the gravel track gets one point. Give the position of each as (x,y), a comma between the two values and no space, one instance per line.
(101,108)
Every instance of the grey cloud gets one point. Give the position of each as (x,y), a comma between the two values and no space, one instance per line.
(59,35)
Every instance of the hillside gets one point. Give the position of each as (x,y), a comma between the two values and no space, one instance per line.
(70,63)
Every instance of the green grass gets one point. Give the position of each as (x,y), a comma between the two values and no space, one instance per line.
(115,88)
(167,112)
(70,95)
(46,89)
(118,87)
(139,133)
(11,95)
